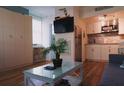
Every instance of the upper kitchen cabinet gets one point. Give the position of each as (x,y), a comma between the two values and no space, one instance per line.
(93,28)
(121,26)
(90,28)
(97,27)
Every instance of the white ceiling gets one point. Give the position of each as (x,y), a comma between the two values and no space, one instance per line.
(41,11)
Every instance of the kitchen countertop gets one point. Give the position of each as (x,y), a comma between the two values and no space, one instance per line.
(104,44)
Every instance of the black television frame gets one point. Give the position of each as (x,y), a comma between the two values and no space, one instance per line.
(67,23)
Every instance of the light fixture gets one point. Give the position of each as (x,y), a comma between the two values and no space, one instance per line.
(103,20)
(107,20)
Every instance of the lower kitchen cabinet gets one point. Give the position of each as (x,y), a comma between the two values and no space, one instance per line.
(100,52)
(96,52)
(89,52)
(105,52)
(108,49)
(93,52)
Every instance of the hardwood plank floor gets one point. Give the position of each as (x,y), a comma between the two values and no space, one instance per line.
(92,73)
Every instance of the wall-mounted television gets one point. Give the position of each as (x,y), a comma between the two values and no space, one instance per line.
(64,25)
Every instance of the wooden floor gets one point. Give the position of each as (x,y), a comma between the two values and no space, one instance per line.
(92,73)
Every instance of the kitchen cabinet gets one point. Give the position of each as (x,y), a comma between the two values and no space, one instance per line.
(96,52)
(97,27)
(121,26)
(108,49)
(105,49)
(93,28)
(113,49)
(100,52)
(89,52)
(90,28)
(93,52)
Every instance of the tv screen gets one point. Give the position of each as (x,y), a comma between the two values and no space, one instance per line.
(64,25)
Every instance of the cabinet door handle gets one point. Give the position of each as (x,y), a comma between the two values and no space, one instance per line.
(10,36)
(21,37)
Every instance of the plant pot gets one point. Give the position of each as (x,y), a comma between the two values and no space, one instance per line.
(57,63)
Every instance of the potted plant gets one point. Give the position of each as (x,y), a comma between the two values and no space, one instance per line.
(58,47)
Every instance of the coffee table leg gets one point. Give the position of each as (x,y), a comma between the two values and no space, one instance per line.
(81,73)
(52,83)
(25,80)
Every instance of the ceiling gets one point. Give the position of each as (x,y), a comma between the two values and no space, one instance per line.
(41,11)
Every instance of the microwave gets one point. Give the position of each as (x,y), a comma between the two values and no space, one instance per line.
(110,28)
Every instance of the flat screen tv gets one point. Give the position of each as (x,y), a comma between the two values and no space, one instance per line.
(64,25)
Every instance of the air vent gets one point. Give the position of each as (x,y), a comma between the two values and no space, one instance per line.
(103,8)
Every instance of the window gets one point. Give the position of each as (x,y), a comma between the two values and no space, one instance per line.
(37,32)
(42,31)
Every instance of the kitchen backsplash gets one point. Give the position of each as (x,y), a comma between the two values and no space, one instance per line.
(105,39)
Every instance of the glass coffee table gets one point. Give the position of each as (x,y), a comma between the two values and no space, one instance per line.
(41,76)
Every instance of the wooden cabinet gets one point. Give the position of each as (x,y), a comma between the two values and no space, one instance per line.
(108,49)
(96,52)
(93,28)
(1,41)
(121,26)
(28,40)
(90,28)
(93,52)
(20,39)
(9,39)
(15,39)
(105,52)
(97,27)
(89,52)
(1,47)
(100,52)
(113,49)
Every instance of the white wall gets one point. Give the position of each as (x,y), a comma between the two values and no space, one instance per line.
(61,13)
(69,37)
(89,11)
